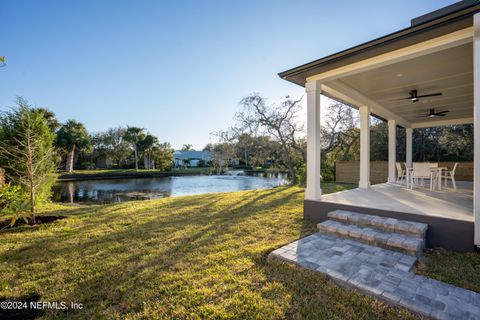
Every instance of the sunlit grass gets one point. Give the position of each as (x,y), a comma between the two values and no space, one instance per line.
(194,257)
(460,269)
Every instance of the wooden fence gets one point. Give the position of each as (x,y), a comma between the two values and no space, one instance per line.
(349,171)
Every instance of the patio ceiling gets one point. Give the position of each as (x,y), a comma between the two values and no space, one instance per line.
(448,71)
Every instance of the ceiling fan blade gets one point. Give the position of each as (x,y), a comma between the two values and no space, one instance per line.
(443,112)
(430,95)
(414,97)
(400,99)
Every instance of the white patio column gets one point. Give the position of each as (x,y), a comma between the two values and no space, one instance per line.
(476,127)
(364,147)
(392,150)
(409,135)
(313,190)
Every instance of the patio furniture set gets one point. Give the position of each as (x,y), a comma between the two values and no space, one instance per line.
(421,171)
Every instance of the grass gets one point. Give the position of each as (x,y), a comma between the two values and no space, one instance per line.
(196,170)
(194,257)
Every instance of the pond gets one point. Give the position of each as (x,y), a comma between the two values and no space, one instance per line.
(119,190)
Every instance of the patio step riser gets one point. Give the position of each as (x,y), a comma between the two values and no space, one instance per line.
(403,227)
(388,240)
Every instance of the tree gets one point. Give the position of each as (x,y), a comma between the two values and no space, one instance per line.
(279,121)
(252,150)
(187,147)
(245,144)
(222,154)
(134,135)
(340,133)
(146,147)
(26,152)
(446,143)
(265,152)
(72,137)
(49,115)
(112,144)
(163,156)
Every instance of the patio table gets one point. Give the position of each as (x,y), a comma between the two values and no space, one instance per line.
(438,176)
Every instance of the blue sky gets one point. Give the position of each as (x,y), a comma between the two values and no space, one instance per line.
(176,68)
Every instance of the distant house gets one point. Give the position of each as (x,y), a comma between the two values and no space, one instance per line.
(191,158)
(103,162)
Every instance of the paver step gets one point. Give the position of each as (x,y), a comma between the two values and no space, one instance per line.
(389,240)
(381,223)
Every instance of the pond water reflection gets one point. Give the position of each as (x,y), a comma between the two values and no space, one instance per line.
(119,190)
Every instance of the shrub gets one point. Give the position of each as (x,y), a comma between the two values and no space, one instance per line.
(14,202)
(302,175)
(27,154)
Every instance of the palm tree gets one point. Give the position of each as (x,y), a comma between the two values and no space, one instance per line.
(146,147)
(187,147)
(72,137)
(134,135)
(50,117)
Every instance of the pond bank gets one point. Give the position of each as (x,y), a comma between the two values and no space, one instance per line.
(132,173)
(145,188)
(123,174)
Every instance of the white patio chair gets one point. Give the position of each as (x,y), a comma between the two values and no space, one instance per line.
(451,175)
(400,173)
(421,171)
(434,165)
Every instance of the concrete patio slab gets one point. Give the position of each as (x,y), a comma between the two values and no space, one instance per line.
(447,203)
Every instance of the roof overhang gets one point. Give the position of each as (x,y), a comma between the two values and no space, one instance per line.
(421,32)
(434,55)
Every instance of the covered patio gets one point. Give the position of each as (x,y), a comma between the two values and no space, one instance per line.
(432,65)
(457,205)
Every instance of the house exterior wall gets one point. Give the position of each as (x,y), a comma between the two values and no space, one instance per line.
(349,171)
(194,162)
(103,162)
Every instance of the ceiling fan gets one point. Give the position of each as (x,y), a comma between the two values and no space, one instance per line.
(415,97)
(432,114)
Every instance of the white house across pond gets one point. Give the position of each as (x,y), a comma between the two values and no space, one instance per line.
(191,158)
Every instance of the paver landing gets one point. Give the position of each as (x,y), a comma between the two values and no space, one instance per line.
(381,273)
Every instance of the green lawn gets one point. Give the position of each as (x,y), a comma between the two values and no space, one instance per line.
(193,257)
(460,269)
